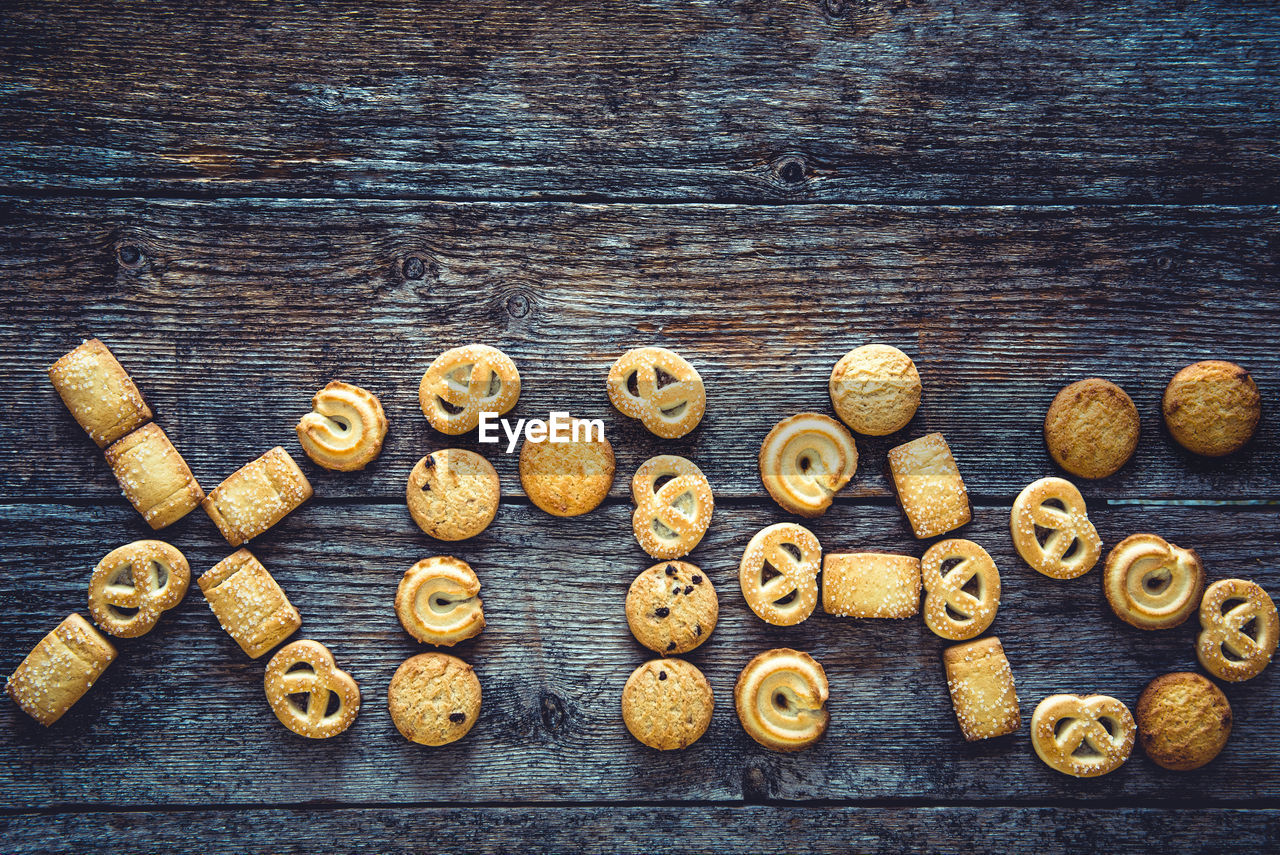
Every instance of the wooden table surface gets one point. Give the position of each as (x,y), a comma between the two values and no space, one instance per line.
(246,201)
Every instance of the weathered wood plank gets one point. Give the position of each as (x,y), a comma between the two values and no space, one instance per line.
(181,718)
(234,313)
(814,100)
(686,829)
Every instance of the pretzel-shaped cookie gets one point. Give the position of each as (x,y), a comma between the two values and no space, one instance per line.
(134,584)
(950,610)
(670,520)
(1082,736)
(463,382)
(438,603)
(345,428)
(779,573)
(781,698)
(805,460)
(1072,546)
(658,387)
(307,668)
(1223,646)
(1152,584)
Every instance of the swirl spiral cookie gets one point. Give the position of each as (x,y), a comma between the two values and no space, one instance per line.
(465,381)
(779,573)
(453,494)
(434,698)
(658,387)
(1055,507)
(1183,721)
(307,668)
(1212,408)
(667,704)
(134,584)
(1238,630)
(672,607)
(566,479)
(1152,584)
(950,610)
(805,460)
(438,601)
(875,389)
(670,520)
(1091,428)
(345,428)
(1082,736)
(781,698)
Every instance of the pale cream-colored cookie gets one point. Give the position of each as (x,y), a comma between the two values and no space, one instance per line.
(1152,584)
(658,387)
(307,668)
(672,607)
(1238,630)
(438,601)
(257,496)
(781,698)
(930,490)
(134,584)
(982,692)
(667,704)
(875,389)
(1051,529)
(805,460)
(248,603)
(1212,407)
(1091,428)
(464,382)
(566,479)
(434,698)
(962,589)
(345,428)
(1183,721)
(99,393)
(1082,736)
(870,585)
(779,573)
(154,477)
(60,669)
(453,494)
(670,520)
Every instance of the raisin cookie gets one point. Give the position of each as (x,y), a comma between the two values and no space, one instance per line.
(566,479)
(875,389)
(670,520)
(434,698)
(464,382)
(1212,408)
(1091,428)
(805,460)
(658,387)
(345,428)
(1183,721)
(453,494)
(667,704)
(672,607)
(438,601)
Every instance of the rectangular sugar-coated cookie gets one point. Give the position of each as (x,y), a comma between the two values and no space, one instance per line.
(982,691)
(930,489)
(870,585)
(60,669)
(249,604)
(98,392)
(257,496)
(154,477)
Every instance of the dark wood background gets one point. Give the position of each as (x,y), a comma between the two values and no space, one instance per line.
(248,200)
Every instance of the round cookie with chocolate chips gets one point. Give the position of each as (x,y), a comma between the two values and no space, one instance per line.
(672,608)
(1212,407)
(667,704)
(1091,428)
(453,494)
(434,698)
(1183,721)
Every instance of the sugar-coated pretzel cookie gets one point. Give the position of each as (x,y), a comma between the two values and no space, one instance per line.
(929,487)
(805,460)
(60,669)
(983,695)
(950,610)
(465,381)
(870,585)
(1071,546)
(434,698)
(248,603)
(670,520)
(134,584)
(1212,407)
(667,704)
(1184,721)
(307,668)
(658,387)
(875,389)
(99,393)
(672,607)
(153,476)
(345,428)
(566,479)
(1082,736)
(438,601)
(1152,584)
(779,573)
(453,494)
(1224,647)
(781,697)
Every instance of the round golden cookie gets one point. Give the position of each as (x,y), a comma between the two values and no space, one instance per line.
(453,494)
(805,460)
(781,698)
(672,607)
(345,428)
(670,520)
(307,668)
(566,479)
(464,382)
(434,698)
(875,389)
(1152,584)
(667,704)
(438,601)
(1091,428)
(1183,721)
(658,387)
(1212,407)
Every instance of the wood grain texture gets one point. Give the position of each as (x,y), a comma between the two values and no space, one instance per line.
(181,718)
(230,315)
(748,100)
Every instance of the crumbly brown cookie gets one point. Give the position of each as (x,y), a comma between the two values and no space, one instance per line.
(1152,584)
(154,477)
(1183,721)
(982,692)
(99,393)
(257,496)
(667,704)
(672,607)
(875,389)
(779,573)
(434,698)
(134,584)
(307,668)
(1071,545)
(463,382)
(950,610)
(805,460)
(781,698)
(438,601)
(1239,630)
(453,494)
(1082,736)
(870,585)
(60,669)
(670,520)
(930,490)
(658,387)
(1091,428)
(248,603)
(566,479)
(1212,407)
(345,428)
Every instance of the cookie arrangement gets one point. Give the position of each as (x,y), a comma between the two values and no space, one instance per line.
(1091,430)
